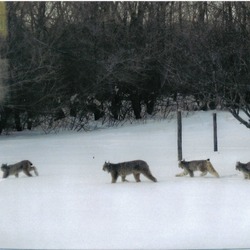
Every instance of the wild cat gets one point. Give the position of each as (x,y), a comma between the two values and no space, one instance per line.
(126,168)
(204,166)
(14,169)
(244,168)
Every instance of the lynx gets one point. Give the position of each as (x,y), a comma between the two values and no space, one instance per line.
(201,165)
(130,167)
(244,168)
(14,169)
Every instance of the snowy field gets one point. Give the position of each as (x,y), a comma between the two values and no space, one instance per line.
(73,205)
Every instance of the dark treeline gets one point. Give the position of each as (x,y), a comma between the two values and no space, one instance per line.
(76,61)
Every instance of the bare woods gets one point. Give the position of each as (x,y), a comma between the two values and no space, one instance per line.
(73,62)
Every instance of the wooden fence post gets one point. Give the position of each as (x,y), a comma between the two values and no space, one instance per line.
(179,135)
(215,132)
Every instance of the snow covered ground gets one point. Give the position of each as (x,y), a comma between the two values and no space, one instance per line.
(73,205)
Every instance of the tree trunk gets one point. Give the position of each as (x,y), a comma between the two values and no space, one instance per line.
(17,121)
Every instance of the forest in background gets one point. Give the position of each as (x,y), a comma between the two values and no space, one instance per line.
(70,63)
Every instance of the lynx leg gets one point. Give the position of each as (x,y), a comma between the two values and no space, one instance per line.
(114,177)
(137,177)
(191,173)
(27,173)
(246,176)
(17,175)
(203,173)
(211,169)
(124,178)
(150,176)
(214,173)
(185,172)
(5,174)
(35,170)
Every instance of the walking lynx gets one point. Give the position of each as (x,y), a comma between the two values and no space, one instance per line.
(14,169)
(201,165)
(126,168)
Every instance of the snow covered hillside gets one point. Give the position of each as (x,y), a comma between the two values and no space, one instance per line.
(73,205)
